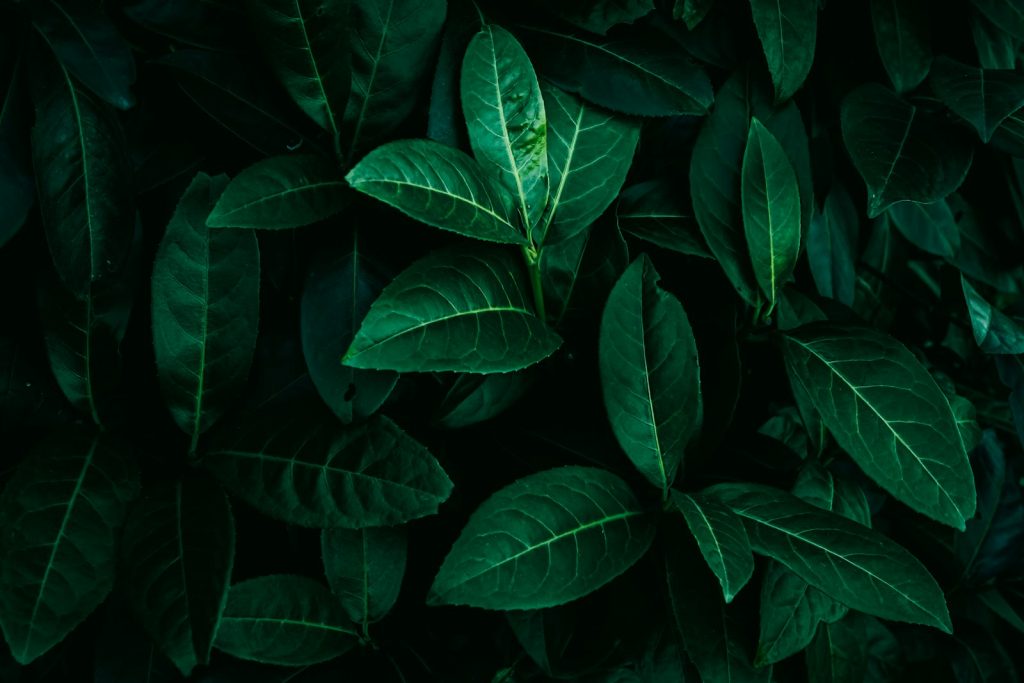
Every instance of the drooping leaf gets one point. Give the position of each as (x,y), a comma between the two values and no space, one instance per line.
(179,548)
(652,211)
(902,152)
(61,513)
(981,97)
(994,331)
(721,538)
(771,210)
(832,247)
(17,188)
(650,375)
(205,310)
(929,227)
(589,153)
(473,316)
(545,540)
(392,46)
(903,40)
(306,469)
(641,72)
(440,186)
(285,620)
(476,398)
(364,569)
(838,653)
(885,410)
(847,561)
(281,192)
(788,31)
(1007,15)
(599,16)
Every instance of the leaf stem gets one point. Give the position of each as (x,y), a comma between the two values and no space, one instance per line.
(533,256)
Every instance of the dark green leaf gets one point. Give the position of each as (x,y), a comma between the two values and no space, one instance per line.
(1009,16)
(978,657)
(285,620)
(545,540)
(929,227)
(996,48)
(578,274)
(308,470)
(981,97)
(598,16)
(832,246)
(179,548)
(788,31)
(207,24)
(364,569)
(994,331)
(476,398)
(61,513)
(721,538)
(652,211)
(463,309)
(692,12)
(902,37)
(650,374)
(791,610)
(17,188)
(838,653)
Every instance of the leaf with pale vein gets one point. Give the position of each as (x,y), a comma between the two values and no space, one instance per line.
(721,538)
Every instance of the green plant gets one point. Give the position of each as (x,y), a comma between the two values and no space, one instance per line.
(602,341)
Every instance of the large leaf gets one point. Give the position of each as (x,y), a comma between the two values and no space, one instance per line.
(440,186)
(306,469)
(886,411)
(791,610)
(589,153)
(771,210)
(994,331)
(306,42)
(281,192)
(508,133)
(205,310)
(464,309)
(832,246)
(17,186)
(902,152)
(179,548)
(364,569)
(285,620)
(859,567)
(61,513)
(654,212)
(545,540)
(788,31)
(721,538)
(393,43)
(981,97)
(639,72)
(901,34)
(650,375)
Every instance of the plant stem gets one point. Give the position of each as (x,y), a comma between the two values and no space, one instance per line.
(533,257)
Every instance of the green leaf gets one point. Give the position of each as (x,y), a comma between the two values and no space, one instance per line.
(599,16)
(838,653)
(996,48)
(508,132)
(885,410)
(929,227)
(307,44)
(306,469)
(61,513)
(205,310)
(1008,16)
(475,398)
(82,174)
(178,549)
(832,246)
(692,12)
(281,192)
(578,274)
(89,46)
(364,569)
(284,620)
(393,44)
(545,540)
(589,153)
(17,186)
(440,186)
(903,40)
(650,374)
(994,331)
(788,30)
(859,567)
(771,210)
(721,538)
(462,309)
(338,293)
(640,72)
(791,610)
(653,211)
(902,152)
(201,24)
(981,97)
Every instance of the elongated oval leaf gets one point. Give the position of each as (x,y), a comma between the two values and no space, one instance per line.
(853,564)
(545,540)
(832,247)
(653,211)
(650,375)
(308,470)
(462,309)
(771,210)
(994,331)
(981,97)
(364,569)
(901,34)
(61,513)
(205,310)
(285,620)
(721,538)
(179,548)
(788,31)
(501,96)
(589,153)
(440,186)
(281,192)
(901,152)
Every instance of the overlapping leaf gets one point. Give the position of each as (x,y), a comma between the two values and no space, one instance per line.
(364,569)
(788,30)
(982,97)
(902,37)
(721,538)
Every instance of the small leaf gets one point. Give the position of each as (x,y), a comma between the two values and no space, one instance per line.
(832,246)
(692,12)
(545,540)
(281,192)
(364,569)
(721,538)
(788,31)
(903,41)
(994,331)
(929,227)
(653,212)
(475,398)
(791,610)
(284,620)
(599,16)
(996,48)
(981,97)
